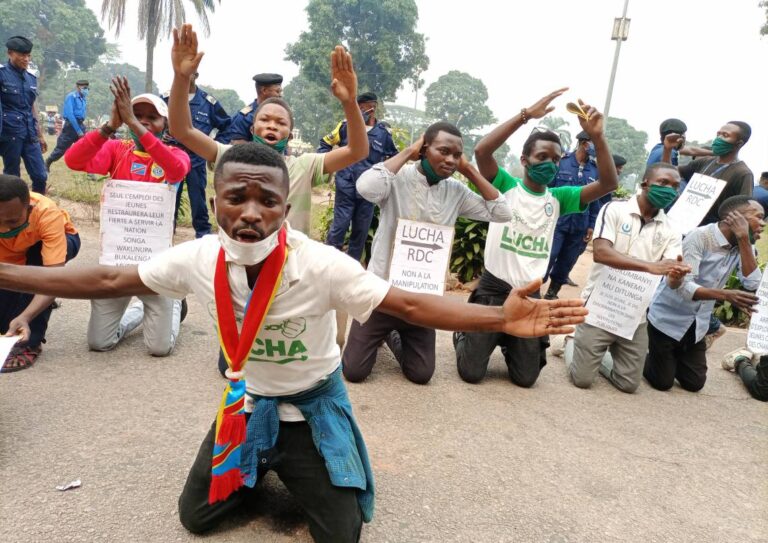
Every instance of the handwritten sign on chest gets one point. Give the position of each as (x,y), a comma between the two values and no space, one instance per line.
(136,221)
(757,336)
(420,256)
(695,201)
(619,299)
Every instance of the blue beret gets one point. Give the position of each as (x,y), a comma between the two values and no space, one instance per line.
(19,44)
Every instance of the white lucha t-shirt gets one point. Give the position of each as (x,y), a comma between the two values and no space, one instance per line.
(296,347)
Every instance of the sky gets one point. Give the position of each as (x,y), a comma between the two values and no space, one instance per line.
(702,62)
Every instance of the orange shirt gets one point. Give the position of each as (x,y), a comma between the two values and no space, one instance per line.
(47,223)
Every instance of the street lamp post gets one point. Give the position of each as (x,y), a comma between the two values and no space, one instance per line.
(619,34)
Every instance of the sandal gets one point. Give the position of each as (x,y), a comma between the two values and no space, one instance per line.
(21,358)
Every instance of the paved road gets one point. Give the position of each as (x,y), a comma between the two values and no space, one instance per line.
(453,462)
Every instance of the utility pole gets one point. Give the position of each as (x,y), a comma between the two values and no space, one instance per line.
(619,34)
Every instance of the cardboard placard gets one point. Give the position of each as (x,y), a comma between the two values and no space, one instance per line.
(695,201)
(757,336)
(420,256)
(619,300)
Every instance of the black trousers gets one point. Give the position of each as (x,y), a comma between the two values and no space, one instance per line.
(755,378)
(65,140)
(669,359)
(525,357)
(333,512)
(414,350)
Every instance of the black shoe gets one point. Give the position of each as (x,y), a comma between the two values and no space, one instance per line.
(570,283)
(554,289)
(184,310)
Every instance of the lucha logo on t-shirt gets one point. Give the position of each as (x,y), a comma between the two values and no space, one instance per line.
(626,228)
(281,351)
(524,244)
(549,209)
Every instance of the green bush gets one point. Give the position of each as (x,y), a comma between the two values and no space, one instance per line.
(727,313)
(468,246)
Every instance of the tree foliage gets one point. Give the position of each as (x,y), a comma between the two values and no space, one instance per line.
(99,76)
(65,33)
(627,141)
(228,98)
(315,110)
(157,19)
(380,34)
(559,126)
(459,98)
(764,28)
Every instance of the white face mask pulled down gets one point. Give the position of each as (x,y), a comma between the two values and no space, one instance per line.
(247,254)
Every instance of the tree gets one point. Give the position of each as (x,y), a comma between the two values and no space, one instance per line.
(380,34)
(99,77)
(557,125)
(407,118)
(315,111)
(627,141)
(459,98)
(229,98)
(65,33)
(157,19)
(764,28)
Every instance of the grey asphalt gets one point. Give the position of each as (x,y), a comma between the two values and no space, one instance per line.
(453,461)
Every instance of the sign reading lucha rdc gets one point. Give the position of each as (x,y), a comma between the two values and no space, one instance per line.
(420,256)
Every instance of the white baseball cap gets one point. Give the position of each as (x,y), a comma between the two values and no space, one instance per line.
(153,99)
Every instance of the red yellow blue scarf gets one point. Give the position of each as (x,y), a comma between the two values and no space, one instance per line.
(230,421)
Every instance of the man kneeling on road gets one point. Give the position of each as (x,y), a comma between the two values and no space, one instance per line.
(284,289)
(33,232)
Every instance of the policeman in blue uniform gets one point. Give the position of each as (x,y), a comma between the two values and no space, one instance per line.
(208,116)
(349,206)
(573,231)
(21,136)
(267,86)
(75,107)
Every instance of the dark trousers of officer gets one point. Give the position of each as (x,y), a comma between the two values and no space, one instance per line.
(755,378)
(65,140)
(350,208)
(566,249)
(13,303)
(196,181)
(413,347)
(333,512)
(525,357)
(669,359)
(13,149)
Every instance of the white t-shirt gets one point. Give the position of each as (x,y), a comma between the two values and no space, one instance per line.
(296,347)
(517,251)
(304,172)
(621,223)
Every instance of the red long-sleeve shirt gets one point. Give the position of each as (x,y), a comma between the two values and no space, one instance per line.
(121,160)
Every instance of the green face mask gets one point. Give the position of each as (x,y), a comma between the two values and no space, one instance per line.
(660,197)
(720,147)
(15,232)
(137,143)
(279,146)
(429,173)
(542,173)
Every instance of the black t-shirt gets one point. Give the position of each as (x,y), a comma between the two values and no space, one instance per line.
(737,176)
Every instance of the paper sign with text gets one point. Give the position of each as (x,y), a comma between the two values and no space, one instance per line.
(420,256)
(695,201)
(757,336)
(619,300)
(6,344)
(136,221)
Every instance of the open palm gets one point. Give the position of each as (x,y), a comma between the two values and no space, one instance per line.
(184,56)
(343,76)
(528,317)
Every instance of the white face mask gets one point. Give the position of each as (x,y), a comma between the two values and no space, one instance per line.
(247,254)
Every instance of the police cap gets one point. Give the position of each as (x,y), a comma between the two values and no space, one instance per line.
(583,136)
(619,160)
(367,97)
(268,79)
(19,44)
(82,83)
(671,126)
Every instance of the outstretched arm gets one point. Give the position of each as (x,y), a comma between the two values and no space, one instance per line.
(519,316)
(344,88)
(607,178)
(91,282)
(185,59)
(491,142)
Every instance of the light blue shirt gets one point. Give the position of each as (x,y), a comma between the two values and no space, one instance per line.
(712,259)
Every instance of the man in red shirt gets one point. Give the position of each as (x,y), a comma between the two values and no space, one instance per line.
(33,232)
(143,158)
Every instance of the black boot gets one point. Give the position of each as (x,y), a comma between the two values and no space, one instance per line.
(554,289)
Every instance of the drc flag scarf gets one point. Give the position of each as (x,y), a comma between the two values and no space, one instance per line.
(230,420)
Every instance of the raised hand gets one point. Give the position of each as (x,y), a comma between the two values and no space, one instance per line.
(593,124)
(528,317)
(121,90)
(542,107)
(343,76)
(184,56)
(114,118)
(674,141)
(738,224)
(415,148)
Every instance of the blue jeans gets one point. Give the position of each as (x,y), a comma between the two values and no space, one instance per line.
(350,208)
(13,303)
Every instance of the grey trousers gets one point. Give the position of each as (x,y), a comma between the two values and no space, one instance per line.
(620,360)
(111,320)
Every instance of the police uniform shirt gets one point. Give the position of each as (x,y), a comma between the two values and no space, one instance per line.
(18,92)
(74,109)
(381,147)
(574,174)
(241,122)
